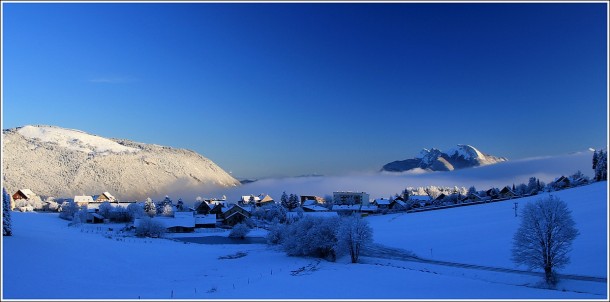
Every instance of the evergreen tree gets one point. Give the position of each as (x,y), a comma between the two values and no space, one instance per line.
(595,158)
(180,205)
(601,168)
(293,202)
(7,228)
(472,190)
(150,207)
(284,200)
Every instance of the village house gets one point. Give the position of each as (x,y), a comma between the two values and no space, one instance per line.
(24,194)
(83,200)
(203,208)
(382,203)
(309,198)
(265,200)
(104,197)
(314,207)
(420,200)
(507,193)
(343,198)
(562,182)
(205,221)
(234,215)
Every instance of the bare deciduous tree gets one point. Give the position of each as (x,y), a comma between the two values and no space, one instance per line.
(545,236)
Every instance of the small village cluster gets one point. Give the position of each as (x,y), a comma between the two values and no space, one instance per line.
(221,213)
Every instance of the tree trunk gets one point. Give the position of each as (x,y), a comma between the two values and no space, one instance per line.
(548,275)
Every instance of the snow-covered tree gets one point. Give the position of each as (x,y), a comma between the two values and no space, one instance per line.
(293,202)
(275,211)
(135,210)
(50,205)
(68,209)
(150,228)
(545,236)
(284,200)
(7,227)
(104,209)
(311,236)
(180,205)
(433,192)
(600,165)
(472,190)
(79,217)
(532,186)
(240,230)
(150,208)
(168,210)
(354,234)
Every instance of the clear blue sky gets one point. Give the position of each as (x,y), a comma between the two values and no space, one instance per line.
(289,89)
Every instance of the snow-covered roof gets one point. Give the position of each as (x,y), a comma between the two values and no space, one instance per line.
(96,215)
(28,193)
(246,198)
(316,208)
(181,221)
(312,214)
(309,202)
(400,202)
(345,207)
(109,196)
(382,201)
(81,199)
(368,208)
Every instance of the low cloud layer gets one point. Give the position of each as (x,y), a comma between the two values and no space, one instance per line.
(384,184)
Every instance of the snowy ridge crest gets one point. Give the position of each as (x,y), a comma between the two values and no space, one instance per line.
(462,156)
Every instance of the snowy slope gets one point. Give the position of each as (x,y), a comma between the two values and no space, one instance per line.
(482,234)
(53,161)
(73,139)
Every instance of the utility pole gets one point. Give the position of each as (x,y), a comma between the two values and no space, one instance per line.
(516,204)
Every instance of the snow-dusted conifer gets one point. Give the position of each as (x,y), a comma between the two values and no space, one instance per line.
(150,207)
(7,227)
(168,210)
(284,200)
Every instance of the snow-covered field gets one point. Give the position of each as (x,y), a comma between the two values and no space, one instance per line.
(482,234)
(47,259)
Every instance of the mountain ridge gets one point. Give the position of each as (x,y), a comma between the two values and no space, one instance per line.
(56,161)
(460,157)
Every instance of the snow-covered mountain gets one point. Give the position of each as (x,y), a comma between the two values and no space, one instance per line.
(462,156)
(54,161)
